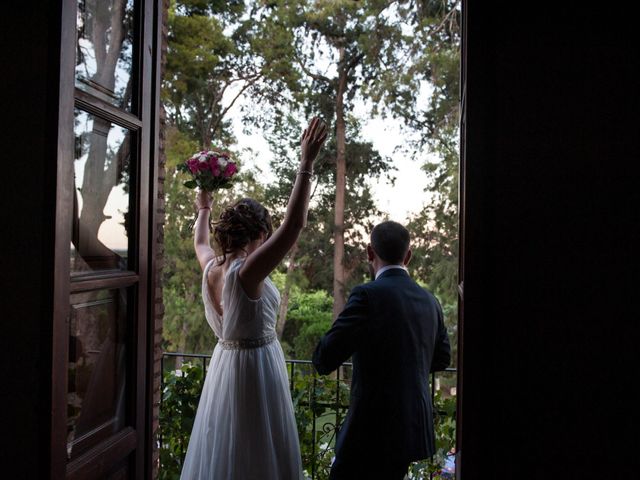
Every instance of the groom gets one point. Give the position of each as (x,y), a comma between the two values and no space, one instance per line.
(395,332)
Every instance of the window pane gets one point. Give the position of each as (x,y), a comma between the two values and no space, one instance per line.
(97,368)
(101,224)
(104,50)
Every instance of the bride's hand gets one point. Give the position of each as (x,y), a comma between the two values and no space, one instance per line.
(204,199)
(312,139)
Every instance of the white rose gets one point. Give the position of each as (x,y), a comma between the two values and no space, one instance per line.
(222,162)
(203,158)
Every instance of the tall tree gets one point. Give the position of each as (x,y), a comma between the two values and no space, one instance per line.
(435,227)
(208,66)
(342,49)
(307,266)
(218,52)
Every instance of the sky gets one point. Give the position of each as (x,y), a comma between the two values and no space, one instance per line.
(399,201)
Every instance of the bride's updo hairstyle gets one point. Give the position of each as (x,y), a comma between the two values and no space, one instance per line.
(240,224)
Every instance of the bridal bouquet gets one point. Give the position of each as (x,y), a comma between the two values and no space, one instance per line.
(210,170)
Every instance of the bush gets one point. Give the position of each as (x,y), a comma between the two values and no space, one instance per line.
(314,400)
(308,318)
(180,397)
(445,431)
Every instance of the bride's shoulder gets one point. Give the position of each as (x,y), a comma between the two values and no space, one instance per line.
(221,267)
(215,268)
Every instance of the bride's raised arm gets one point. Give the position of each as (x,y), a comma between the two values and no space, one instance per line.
(204,252)
(266,258)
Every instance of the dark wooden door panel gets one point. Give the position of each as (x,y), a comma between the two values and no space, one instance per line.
(99,462)
(105,167)
(98,386)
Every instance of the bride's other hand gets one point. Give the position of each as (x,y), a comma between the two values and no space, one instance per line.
(312,140)
(204,199)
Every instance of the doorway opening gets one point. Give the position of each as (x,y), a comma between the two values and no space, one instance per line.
(244,77)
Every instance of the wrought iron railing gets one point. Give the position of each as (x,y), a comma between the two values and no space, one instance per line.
(320,404)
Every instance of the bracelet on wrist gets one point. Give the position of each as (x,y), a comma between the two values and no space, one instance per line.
(204,208)
(305,172)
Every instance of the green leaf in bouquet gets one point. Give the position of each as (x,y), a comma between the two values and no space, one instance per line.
(191,184)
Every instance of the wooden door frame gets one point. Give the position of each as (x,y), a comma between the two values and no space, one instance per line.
(143,121)
(461,237)
(159,13)
(61,285)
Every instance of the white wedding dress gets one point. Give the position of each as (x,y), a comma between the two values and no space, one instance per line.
(245,427)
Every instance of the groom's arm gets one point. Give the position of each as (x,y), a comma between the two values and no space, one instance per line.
(442,348)
(345,336)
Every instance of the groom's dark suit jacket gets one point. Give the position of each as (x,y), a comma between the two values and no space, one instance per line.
(395,332)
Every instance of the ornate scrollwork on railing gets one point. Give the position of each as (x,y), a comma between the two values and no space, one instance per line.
(320,406)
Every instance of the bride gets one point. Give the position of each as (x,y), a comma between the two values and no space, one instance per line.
(245,427)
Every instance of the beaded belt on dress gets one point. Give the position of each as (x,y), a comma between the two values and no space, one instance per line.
(247,343)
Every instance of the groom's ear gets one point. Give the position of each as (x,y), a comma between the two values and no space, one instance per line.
(407,258)
(370,253)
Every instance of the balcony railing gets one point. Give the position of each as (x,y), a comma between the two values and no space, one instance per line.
(320,405)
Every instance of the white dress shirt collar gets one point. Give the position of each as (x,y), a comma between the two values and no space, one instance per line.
(389,267)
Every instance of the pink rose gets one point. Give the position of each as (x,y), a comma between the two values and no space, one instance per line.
(230,170)
(193,164)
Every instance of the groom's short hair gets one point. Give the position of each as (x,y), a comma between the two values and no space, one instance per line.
(390,241)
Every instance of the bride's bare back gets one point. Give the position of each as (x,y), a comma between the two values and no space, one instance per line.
(215,282)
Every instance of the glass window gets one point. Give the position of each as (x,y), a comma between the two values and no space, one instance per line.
(104,50)
(101,223)
(97,368)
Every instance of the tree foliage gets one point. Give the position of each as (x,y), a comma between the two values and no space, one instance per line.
(286,61)
(281,62)
(343,52)
(180,396)
(435,228)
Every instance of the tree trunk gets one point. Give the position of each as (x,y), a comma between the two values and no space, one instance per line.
(284,301)
(341,170)
(103,167)
(101,175)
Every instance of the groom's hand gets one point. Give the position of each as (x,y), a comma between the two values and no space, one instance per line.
(312,140)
